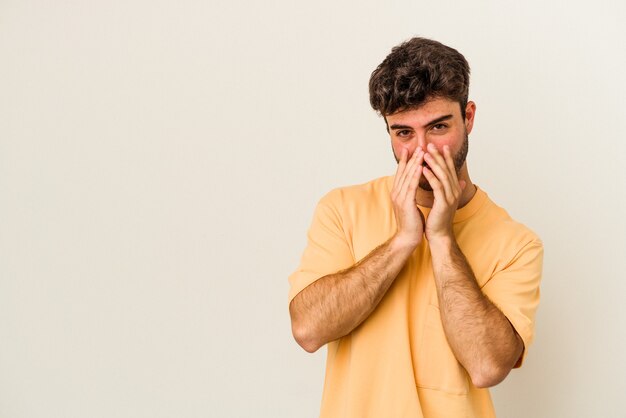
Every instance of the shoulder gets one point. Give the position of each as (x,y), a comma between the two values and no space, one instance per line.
(494,242)
(358,194)
(502,224)
(501,234)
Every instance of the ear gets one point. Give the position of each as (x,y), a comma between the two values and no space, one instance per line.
(470,112)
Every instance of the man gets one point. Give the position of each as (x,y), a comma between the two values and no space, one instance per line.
(424,290)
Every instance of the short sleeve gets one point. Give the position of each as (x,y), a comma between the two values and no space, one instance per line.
(515,291)
(327,250)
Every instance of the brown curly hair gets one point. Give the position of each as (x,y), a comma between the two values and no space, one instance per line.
(416,71)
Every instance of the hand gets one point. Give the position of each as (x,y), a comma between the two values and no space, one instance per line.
(409,218)
(447,190)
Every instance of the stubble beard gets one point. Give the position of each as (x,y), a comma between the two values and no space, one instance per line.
(459,159)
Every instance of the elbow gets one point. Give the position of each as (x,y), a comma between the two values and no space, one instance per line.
(489,376)
(308,346)
(484,382)
(305,338)
(490,373)
(303,333)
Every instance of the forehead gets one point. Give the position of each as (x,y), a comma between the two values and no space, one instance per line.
(430,110)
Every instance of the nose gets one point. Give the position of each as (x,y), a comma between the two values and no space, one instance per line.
(421,142)
(417,141)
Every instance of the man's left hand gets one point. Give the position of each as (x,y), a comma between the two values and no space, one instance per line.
(447,190)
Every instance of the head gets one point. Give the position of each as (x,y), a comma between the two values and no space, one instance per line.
(416,71)
(421,89)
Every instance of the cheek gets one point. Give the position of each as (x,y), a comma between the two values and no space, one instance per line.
(441,144)
(451,142)
(398,147)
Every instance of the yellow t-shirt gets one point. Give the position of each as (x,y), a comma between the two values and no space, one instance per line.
(398,363)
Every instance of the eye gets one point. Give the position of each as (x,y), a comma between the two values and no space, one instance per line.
(403,133)
(439,127)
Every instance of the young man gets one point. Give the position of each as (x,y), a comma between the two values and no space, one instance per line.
(424,290)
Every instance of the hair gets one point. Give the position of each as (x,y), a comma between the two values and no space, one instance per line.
(416,71)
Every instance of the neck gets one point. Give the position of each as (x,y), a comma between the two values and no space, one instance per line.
(426,199)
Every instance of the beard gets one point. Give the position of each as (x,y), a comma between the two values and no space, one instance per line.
(459,159)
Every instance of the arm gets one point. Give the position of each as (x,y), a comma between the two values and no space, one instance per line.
(336,304)
(481,337)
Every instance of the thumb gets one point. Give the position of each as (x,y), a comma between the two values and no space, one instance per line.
(462,184)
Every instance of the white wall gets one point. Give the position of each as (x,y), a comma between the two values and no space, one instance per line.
(160,161)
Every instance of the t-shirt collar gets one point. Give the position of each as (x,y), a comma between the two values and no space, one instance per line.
(461,214)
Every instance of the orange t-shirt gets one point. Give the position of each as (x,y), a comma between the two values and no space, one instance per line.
(398,363)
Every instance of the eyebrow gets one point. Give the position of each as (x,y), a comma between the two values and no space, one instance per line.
(432,122)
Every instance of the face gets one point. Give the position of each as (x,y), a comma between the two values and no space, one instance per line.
(437,122)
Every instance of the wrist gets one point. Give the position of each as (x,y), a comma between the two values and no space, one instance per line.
(444,242)
(404,242)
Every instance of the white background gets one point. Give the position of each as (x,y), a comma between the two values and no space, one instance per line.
(160,162)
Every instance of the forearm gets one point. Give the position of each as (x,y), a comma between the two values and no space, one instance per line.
(481,337)
(334,305)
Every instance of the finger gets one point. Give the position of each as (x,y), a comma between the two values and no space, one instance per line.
(434,152)
(397,180)
(415,179)
(416,161)
(435,184)
(458,186)
(401,166)
(441,173)
(447,154)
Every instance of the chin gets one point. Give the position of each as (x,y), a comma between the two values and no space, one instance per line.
(425,186)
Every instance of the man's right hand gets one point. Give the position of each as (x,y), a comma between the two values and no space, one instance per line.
(409,218)
(334,305)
